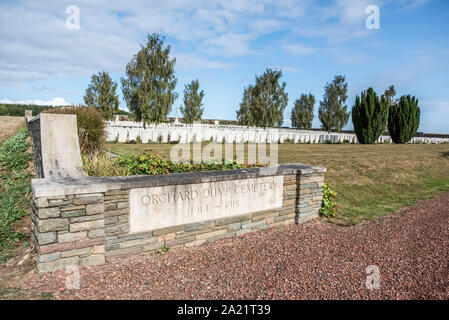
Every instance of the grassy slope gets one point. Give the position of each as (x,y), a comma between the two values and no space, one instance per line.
(371,180)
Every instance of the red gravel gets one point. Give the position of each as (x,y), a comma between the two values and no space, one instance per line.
(316,260)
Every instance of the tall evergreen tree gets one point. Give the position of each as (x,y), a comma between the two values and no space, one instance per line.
(369,116)
(403,119)
(244,114)
(302,113)
(332,111)
(193,102)
(150,83)
(264,103)
(101,94)
(389,94)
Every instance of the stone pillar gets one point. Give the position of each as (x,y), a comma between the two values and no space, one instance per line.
(68,230)
(309,194)
(28,115)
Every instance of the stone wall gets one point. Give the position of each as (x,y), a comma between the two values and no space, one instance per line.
(86,221)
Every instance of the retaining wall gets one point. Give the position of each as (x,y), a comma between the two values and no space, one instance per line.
(88,221)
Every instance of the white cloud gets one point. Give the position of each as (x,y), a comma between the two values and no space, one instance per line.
(230,44)
(299,49)
(190,62)
(36,45)
(52,102)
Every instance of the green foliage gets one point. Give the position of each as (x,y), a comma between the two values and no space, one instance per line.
(329,205)
(14,188)
(192,110)
(332,111)
(91,127)
(150,83)
(153,164)
(18,110)
(263,104)
(403,119)
(369,116)
(101,94)
(100,165)
(302,113)
(389,94)
(164,249)
(13,155)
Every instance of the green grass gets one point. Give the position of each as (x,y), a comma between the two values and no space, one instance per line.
(14,190)
(371,180)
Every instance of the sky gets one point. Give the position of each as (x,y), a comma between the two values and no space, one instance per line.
(44,59)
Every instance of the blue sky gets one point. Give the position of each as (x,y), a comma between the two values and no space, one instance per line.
(225,44)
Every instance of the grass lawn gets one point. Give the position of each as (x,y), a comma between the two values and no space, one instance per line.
(372,180)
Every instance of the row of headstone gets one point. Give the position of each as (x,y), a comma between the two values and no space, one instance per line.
(126,131)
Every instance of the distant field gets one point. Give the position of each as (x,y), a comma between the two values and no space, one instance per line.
(372,180)
(9,126)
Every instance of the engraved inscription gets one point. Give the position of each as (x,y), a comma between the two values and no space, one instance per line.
(158,207)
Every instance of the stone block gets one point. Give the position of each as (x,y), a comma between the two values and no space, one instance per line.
(95,233)
(92,260)
(46,238)
(115,229)
(122,205)
(76,252)
(199,225)
(95,208)
(71,236)
(162,231)
(88,225)
(230,220)
(55,247)
(47,213)
(73,213)
(89,243)
(87,218)
(49,257)
(48,225)
(153,246)
(59,264)
(210,234)
(88,198)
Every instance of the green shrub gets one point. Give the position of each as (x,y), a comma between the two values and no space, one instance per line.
(329,205)
(403,119)
(14,188)
(13,155)
(369,116)
(100,165)
(91,127)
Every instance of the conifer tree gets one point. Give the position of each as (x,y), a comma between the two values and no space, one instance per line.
(302,112)
(263,104)
(150,83)
(101,94)
(369,116)
(193,102)
(332,111)
(403,119)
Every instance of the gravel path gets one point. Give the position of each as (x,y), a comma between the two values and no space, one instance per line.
(316,260)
